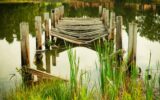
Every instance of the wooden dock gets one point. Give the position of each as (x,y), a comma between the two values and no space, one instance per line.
(79,30)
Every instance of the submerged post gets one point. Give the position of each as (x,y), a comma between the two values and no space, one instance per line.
(112,26)
(119,38)
(132,43)
(47,34)
(24,31)
(38,29)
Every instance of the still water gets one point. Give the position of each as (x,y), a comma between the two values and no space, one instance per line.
(57,63)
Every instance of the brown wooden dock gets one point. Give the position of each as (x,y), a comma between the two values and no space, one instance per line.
(79,30)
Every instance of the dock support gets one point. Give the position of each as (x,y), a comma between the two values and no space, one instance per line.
(132,43)
(107,18)
(47,34)
(24,31)
(53,23)
(112,26)
(38,29)
(62,11)
(103,15)
(119,38)
(25,58)
(100,10)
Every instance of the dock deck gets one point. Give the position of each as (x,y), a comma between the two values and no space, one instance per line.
(79,30)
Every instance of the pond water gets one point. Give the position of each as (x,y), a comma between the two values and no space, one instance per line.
(57,63)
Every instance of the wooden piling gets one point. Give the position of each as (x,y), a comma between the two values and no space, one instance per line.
(119,38)
(112,26)
(100,10)
(47,33)
(103,15)
(107,18)
(53,23)
(25,58)
(24,31)
(38,30)
(62,11)
(132,43)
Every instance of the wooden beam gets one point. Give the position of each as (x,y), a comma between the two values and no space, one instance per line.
(43,74)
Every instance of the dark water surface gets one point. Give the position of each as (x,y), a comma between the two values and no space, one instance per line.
(57,60)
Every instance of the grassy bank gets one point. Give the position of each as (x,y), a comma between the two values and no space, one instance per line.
(115,82)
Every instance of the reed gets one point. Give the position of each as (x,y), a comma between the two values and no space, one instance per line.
(114,81)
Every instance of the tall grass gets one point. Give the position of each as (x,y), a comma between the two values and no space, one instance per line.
(115,83)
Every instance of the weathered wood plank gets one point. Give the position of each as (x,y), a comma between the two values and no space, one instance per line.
(43,74)
(79,28)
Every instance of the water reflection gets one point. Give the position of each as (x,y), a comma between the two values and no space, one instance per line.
(149,24)
(57,64)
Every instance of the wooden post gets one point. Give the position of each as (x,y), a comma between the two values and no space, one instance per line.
(24,31)
(132,43)
(107,18)
(112,26)
(62,11)
(100,10)
(53,23)
(103,15)
(47,33)
(25,58)
(119,37)
(38,29)
(55,12)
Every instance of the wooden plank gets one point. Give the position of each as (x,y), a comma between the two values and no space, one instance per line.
(80,28)
(79,34)
(67,38)
(79,18)
(43,74)
(79,23)
(77,40)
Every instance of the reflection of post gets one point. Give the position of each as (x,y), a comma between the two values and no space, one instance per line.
(132,43)
(47,36)
(54,57)
(48,67)
(25,59)
(119,37)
